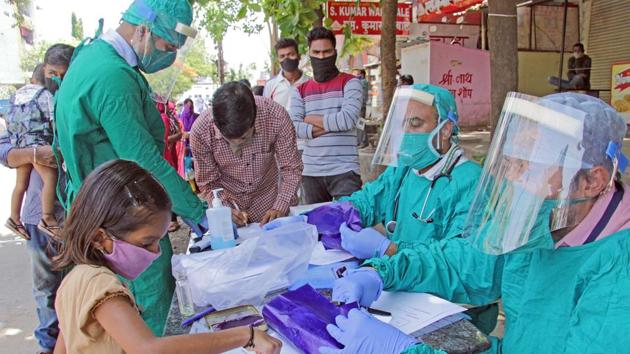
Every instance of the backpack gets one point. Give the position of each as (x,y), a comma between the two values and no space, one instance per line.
(27,124)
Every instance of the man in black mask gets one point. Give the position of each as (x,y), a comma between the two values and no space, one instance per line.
(325,111)
(279,87)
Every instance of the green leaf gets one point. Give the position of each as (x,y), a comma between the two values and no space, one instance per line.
(242,13)
(255,7)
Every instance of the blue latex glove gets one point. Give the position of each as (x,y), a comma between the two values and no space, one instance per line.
(364,244)
(198,228)
(279,222)
(362,333)
(363,285)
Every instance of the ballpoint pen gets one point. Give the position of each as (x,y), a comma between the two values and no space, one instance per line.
(239,211)
(197,316)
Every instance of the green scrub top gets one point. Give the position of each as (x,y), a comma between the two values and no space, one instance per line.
(450,198)
(568,300)
(104,112)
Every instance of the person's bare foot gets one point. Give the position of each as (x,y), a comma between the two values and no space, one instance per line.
(50,219)
(173,226)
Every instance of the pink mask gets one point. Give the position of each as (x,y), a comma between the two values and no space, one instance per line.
(129,260)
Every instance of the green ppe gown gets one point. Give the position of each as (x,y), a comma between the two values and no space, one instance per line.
(568,300)
(104,112)
(450,198)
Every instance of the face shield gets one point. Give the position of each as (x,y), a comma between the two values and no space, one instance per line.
(529,184)
(411,112)
(162,45)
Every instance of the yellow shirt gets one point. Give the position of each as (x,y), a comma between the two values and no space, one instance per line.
(84,289)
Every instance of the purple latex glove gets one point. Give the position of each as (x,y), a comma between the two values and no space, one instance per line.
(362,333)
(363,285)
(301,316)
(328,219)
(365,244)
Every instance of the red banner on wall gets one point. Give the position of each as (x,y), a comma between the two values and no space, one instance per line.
(436,10)
(366,18)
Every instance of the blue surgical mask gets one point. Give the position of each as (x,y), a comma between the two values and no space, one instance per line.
(417,150)
(157,60)
(504,229)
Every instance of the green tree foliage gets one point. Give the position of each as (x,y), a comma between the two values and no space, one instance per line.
(197,64)
(353,44)
(294,18)
(33,56)
(20,7)
(77,27)
(243,72)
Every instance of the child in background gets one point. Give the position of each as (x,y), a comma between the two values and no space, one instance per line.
(29,125)
(115,225)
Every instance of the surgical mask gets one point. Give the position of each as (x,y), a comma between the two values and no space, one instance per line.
(577,55)
(129,260)
(516,232)
(417,150)
(51,85)
(290,65)
(324,69)
(157,60)
(540,233)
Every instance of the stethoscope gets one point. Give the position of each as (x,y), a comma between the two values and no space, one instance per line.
(391,225)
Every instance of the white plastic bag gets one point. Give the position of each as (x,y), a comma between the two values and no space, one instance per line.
(246,273)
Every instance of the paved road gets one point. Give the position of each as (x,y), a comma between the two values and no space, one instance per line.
(17,308)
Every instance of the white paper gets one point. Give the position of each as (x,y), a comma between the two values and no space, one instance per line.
(322,256)
(413,311)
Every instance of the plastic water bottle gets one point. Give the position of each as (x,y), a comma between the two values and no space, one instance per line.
(220,224)
(184,295)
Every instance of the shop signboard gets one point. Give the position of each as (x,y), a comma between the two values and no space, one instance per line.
(620,90)
(365,18)
(465,72)
(437,10)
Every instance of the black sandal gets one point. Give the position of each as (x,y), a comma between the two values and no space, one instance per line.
(18,228)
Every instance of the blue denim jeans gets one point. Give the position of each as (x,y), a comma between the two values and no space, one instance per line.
(45,284)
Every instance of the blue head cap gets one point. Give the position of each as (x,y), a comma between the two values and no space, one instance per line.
(604,129)
(162,17)
(444,103)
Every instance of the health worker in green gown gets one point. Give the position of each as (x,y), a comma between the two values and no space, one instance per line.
(426,191)
(548,232)
(105,110)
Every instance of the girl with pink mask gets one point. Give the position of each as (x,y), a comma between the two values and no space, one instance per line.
(113,232)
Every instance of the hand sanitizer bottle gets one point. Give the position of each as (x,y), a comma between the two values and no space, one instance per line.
(220,224)
(184,294)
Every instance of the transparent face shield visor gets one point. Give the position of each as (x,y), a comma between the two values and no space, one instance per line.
(411,111)
(162,52)
(529,184)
